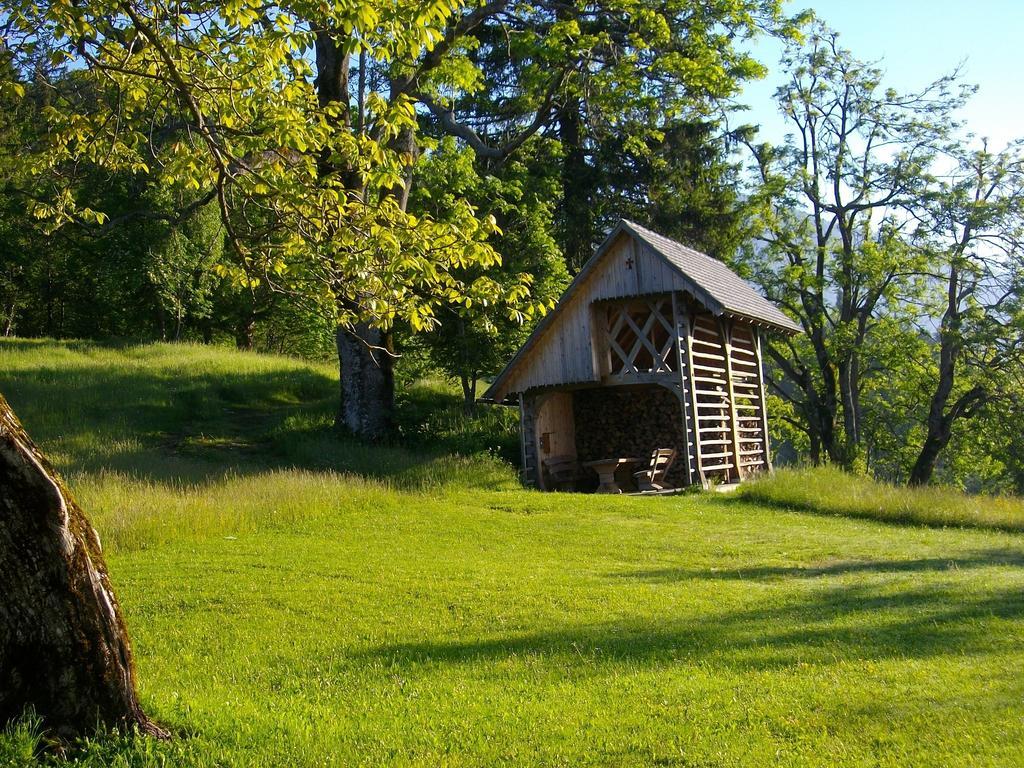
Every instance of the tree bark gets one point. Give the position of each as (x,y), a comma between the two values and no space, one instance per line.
(468,382)
(64,649)
(366,358)
(245,333)
(577,187)
(942,416)
(848,393)
(924,467)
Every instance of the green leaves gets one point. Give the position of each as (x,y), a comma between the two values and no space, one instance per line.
(218,101)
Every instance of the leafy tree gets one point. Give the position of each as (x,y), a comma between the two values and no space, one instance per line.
(249,106)
(184,260)
(973,230)
(834,206)
(683,184)
(601,78)
(472,340)
(300,123)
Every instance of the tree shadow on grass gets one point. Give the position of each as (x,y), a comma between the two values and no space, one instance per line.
(851,622)
(186,425)
(979,559)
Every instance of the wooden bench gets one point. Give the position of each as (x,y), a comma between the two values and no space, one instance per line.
(652,478)
(563,471)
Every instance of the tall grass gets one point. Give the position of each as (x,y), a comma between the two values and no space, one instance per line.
(830,491)
(161,441)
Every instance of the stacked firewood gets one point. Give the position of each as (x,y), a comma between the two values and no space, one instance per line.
(630,422)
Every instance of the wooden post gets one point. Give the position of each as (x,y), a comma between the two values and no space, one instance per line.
(764,403)
(601,352)
(682,332)
(693,400)
(525,438)
(725,327)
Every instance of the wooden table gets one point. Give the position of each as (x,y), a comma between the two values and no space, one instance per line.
(605,469)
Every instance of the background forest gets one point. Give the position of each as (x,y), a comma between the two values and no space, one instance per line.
(886,231)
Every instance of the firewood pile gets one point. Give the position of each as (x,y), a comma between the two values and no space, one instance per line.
(630,421)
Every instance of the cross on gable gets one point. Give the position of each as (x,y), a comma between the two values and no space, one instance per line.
(629,262)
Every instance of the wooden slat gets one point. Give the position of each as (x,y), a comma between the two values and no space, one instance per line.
(709,356)
(681,331)
(720,455)
(693,400)
(712,379)
(764,411)
(712,369)
(713,344)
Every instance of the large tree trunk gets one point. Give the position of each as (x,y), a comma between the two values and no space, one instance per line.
(848,393)
(468,381)
(940,420)
(367,381)
(63,646)
(578,182)
(935,441)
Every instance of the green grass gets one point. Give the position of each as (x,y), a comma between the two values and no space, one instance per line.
(297,600)
(830,491)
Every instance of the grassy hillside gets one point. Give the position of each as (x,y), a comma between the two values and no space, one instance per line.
(830,491)
(298,600)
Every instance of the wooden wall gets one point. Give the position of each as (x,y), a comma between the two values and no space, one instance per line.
(721,374)
(554,429)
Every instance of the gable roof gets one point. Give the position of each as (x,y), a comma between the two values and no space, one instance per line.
(733,294)
(712,283)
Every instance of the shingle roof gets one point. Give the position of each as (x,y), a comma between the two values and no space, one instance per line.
(735,294)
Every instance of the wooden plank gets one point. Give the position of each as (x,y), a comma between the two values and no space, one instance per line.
(764,411)
(703,343)
(715,467)
(523,437)
(709,368)
(693,400)
(725,326)
(719,455)
(681,332)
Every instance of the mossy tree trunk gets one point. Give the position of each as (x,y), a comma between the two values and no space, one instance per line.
(366,358)
(64,650)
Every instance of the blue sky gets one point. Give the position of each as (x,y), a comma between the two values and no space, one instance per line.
(917,41)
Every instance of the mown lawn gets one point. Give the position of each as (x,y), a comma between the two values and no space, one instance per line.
(296,600)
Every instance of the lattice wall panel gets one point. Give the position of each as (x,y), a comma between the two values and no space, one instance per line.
(641,338)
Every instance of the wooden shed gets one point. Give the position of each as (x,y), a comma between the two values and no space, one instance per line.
(653,345)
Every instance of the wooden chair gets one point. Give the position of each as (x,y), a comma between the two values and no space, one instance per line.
(651,479)
(563,471)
